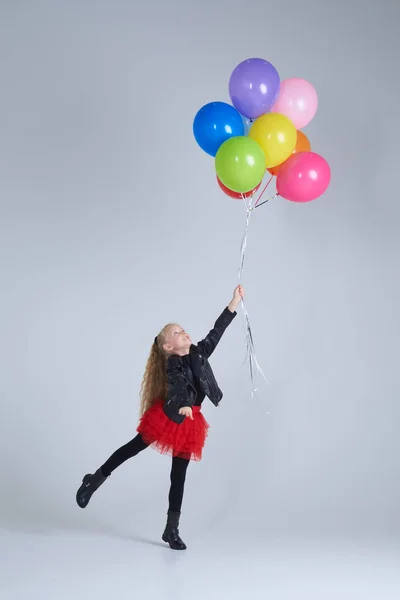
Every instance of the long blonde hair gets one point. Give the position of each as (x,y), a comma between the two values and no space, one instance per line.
(154,383)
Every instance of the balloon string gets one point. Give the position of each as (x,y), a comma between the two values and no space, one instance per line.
(251,353)
(268,199)
(262,193)
(243,246)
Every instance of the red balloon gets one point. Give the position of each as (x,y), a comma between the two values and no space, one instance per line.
(237,195)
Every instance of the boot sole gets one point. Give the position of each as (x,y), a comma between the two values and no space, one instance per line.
(79,492)
(165,539)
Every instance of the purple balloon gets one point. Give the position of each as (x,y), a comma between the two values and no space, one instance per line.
(254,87)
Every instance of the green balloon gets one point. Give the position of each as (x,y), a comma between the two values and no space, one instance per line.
(240,164)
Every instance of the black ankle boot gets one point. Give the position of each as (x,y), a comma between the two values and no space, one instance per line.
(171,533)
(90,484)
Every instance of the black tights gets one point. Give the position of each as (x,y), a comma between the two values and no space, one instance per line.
(178,470)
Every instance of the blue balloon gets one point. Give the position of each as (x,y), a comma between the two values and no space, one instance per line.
(215,123)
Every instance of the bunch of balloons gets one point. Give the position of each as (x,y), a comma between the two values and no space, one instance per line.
(261,132)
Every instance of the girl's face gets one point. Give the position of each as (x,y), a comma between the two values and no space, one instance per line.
(177,341)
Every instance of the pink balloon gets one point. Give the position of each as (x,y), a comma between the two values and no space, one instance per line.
(303,177)
(297,100)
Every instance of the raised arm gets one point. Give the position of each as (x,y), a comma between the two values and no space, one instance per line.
(210,342)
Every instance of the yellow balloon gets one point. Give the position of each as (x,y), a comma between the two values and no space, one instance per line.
(276,135)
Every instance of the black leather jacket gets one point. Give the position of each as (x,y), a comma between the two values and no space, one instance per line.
(181,391)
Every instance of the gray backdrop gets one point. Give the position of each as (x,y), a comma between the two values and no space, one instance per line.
(112,224)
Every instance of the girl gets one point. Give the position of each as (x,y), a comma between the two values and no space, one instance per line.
(177,378)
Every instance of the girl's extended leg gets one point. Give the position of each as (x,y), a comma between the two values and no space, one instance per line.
(122,454)
(178,476)
(91,483)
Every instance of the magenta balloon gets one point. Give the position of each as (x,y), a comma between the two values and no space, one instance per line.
(254,87)
(303,177)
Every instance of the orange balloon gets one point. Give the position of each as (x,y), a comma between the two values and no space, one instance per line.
(302,145)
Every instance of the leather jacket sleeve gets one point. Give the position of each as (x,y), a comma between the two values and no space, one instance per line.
(177,392)
(208,345)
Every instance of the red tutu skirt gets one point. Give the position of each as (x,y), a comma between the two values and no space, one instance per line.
(185,440)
